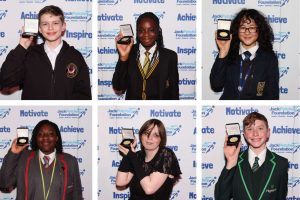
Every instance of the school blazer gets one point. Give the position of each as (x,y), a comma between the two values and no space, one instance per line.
(262,84)
(160,84)
(17,169)
(235,183)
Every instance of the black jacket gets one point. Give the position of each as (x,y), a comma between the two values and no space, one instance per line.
(32,71)
(161,84)
(235,183)
(262,84)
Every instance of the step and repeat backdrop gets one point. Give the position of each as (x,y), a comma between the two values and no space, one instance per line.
(284,124)
(178,23)
(74,124)
(180,124)
(283,17)
(78,17)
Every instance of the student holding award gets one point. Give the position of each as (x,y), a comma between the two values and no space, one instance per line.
(246,66)
(256,173)
(146,70)
(44,172)
(151,172)
(51,70)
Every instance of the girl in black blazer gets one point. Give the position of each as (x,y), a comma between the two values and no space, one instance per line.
(142,78)
(241,75)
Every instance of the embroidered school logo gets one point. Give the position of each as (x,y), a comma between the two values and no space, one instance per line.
(72,113)
(109,2)
(173,130)
(260,88)
(4,112)
(71,70)
(207,110)
(279,3)
(208,181)
(283,71)
(128,113)
(293,181)
(208,146)
(289,111)
(174,194)
(281,36)
(4,144)
(76,144)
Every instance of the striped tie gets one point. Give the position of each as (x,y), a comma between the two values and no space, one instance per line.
(146,62)
(255,165)
(46,161)
(247,55)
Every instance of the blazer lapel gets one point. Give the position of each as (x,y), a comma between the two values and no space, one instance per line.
(245,174)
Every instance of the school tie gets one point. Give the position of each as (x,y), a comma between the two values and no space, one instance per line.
(255,165)
(146,62)
(46,161)
(247,55)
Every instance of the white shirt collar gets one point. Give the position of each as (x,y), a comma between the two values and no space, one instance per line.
(252,50)
(51,156)
(151,50)
(261,156)
(55,50)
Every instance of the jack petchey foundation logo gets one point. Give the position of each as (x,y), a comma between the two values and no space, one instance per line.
(207,110)
(107,66)
(283,71)
(3,50)
(277,3)
(3,14)
(5,144)
(73,144)
(32,1)
(280,37)
(109,2)
(4,112)
(128,113)
(78,16)
(208,181)
(290,111)
(72,113)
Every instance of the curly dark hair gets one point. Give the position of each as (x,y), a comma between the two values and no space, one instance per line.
(33,142)
(151,15)
(265,32)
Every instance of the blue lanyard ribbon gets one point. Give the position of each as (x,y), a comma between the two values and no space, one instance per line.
(243,80)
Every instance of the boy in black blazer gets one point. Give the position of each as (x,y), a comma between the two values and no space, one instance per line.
(256,173)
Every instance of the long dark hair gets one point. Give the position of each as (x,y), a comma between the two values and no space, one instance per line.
(151,15)
(33,142)
(265,32)
(148,126)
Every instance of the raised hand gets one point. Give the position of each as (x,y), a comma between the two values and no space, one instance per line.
(124,49)
(17,149)
(231,153)
(223,46)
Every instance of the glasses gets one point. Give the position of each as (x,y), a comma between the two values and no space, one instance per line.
(251,29)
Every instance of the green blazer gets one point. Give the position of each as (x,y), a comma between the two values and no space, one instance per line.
(236,183)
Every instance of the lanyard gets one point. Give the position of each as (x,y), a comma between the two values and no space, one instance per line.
(243,81)
(46,195)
